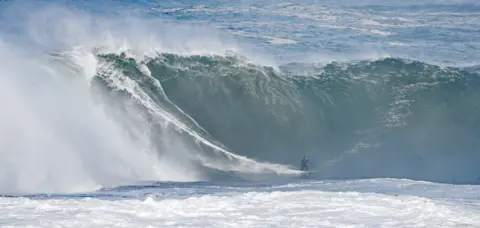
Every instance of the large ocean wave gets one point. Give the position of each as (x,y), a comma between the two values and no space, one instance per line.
(378,118)
(90,101)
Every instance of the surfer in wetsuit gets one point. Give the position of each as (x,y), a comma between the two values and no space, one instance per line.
(304,166)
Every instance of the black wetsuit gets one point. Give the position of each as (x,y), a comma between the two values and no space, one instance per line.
(304,166)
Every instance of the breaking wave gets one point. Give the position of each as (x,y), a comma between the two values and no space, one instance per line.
(89,102)
(378,118)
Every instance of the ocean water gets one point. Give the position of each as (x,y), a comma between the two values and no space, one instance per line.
(197,113)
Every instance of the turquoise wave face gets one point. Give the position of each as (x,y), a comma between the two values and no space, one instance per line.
(389,117)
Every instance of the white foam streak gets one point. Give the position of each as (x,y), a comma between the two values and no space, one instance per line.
(237,163)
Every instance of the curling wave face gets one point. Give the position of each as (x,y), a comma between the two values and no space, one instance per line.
(388,117)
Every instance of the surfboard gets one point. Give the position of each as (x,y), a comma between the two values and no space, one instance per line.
(308,171)
(306,174)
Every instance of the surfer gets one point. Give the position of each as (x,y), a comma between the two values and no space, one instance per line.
(304,166)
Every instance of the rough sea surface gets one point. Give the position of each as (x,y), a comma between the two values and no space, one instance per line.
(197,113)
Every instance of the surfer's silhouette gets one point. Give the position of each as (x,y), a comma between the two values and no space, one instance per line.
(304,166)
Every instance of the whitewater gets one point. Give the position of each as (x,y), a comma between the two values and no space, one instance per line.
(198,113)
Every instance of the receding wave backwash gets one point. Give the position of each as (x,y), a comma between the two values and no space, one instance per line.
(384,118)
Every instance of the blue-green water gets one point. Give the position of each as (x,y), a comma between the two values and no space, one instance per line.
(216,102)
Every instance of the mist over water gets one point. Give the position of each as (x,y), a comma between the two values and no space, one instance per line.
(54,138)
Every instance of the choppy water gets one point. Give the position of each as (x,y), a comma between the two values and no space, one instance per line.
(197,113)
